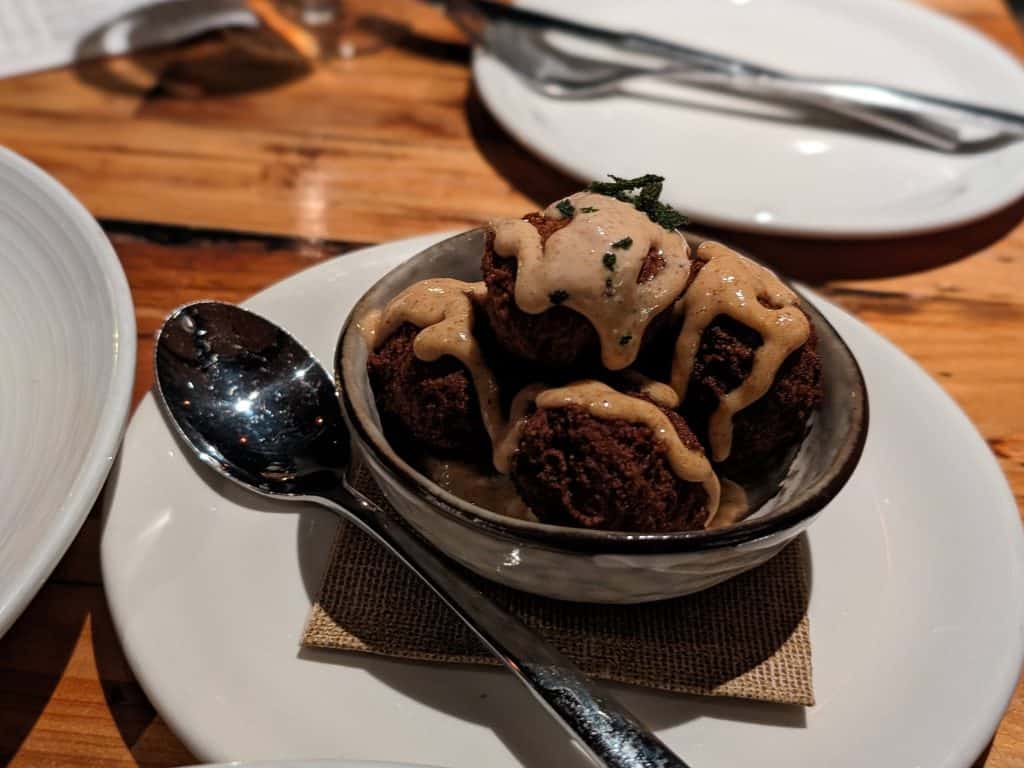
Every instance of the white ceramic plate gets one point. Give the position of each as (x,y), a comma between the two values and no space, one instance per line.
(916,608)
(67,346)
(776,173)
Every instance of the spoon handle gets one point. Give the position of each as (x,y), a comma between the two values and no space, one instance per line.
(608,730)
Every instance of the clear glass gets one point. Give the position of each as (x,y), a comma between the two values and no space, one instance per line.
(318,13)
(336,25)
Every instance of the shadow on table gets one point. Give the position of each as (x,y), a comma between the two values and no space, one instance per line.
(234,61)
(146,737)
(812,260)
(816,260)
(983,757)
(223,62)
(33,656)
(407,39)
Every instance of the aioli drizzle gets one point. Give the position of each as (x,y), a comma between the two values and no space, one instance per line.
(595,261)
(730,284)
(660,393)
(443,309)
(733,506)
(494,492)
(507,440)
(603,402)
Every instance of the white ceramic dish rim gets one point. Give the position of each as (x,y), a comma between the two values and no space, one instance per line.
(528,136)
(85,487)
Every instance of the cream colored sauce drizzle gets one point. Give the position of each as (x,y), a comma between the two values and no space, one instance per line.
(730,284)
(660,393)
(572,260)
(443,309)
(603,402)
(368,325)
(733,506)
(507,440)
(494,492)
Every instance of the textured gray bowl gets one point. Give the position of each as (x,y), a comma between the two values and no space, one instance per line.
(586,565)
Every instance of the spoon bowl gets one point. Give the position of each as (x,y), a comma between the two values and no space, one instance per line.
(253,403)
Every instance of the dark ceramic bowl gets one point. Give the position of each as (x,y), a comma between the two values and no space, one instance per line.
(587,565)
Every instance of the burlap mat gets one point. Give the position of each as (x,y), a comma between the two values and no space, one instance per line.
(746,638)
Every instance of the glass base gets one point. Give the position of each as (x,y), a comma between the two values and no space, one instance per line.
(342,29)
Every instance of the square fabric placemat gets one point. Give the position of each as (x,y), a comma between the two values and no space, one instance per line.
(746,638)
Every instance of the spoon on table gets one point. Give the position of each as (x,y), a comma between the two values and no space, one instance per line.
(254,405)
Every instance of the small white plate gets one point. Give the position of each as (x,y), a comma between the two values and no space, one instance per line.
(746,165)
(67,347)
(916,607)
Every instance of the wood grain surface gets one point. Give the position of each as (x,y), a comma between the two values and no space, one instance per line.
(217,173)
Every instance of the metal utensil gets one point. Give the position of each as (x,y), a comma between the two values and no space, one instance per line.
(517,37)
(259,409)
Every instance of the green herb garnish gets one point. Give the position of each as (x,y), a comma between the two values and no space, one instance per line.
(619,185)
(626,242)
(625,340)
(643,192)
(557,297)
(566,208)
(609,260)
(589,209)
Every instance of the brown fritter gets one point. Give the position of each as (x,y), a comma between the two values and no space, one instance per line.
(558,338)
(433,403)
(575,469)
(763,432)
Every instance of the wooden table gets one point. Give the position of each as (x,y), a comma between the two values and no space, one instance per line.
(216,175)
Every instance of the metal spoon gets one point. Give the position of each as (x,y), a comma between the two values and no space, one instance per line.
(259,409)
